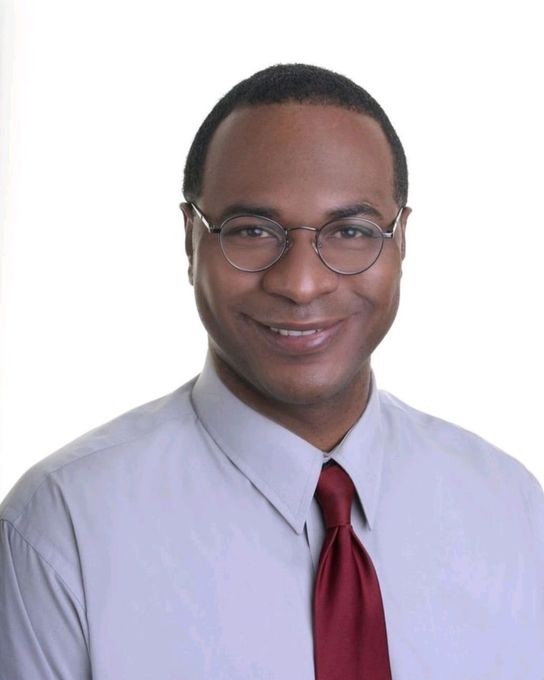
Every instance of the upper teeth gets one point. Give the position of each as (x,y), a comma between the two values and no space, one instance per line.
(284,331)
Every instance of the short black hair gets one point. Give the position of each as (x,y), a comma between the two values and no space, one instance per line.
(300,83)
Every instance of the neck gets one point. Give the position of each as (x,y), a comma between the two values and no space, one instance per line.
(323,424)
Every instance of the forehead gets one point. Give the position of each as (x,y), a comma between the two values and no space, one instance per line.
(303,150)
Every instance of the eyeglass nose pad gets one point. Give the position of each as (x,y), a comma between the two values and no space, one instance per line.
(289,242)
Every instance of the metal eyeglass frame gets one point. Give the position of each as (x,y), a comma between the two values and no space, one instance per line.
(213,229)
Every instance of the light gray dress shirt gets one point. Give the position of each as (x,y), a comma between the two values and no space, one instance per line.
(181,541)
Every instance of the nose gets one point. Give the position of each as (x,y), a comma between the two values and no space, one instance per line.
(299,274)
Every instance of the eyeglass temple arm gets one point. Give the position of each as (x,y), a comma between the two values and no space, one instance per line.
(210,227)
(390,234)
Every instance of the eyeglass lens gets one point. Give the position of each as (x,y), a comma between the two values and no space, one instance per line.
(347,246)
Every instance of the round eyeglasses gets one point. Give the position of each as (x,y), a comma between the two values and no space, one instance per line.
(253,243)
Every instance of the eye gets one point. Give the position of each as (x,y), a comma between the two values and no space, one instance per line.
(252,232)
(350,232)
(250,229)
(353,230)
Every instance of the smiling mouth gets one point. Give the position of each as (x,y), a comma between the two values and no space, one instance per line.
(286,331)
(297,338)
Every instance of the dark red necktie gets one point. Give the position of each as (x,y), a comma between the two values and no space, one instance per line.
(350,638)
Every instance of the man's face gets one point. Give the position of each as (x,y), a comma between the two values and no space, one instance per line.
(299,162)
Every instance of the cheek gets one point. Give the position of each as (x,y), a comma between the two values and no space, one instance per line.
(207,289)
(388,288)
(211,297)
(380,284)
(379,291)
(217,287)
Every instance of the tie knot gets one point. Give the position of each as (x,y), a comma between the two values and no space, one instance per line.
(334,494)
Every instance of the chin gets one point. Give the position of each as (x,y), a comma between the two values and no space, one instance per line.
(254,379)
(303,390)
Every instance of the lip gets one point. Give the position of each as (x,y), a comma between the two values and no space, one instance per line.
(300,344)
(294,326)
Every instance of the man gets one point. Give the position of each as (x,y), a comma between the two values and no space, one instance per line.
(279,516)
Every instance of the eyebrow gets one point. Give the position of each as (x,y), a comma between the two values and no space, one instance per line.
(350,210)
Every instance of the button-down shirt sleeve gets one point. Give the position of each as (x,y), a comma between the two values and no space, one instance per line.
(42,632)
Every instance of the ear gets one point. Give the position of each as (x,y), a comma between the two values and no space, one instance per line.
(402,228)
(188,222)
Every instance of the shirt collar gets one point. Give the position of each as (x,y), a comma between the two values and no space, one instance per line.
(284,467)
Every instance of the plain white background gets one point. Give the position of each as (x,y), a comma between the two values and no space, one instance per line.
(99,104)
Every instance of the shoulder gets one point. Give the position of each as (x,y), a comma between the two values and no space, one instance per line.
(449,447)
(93,455)
(56,508)
(459,469)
